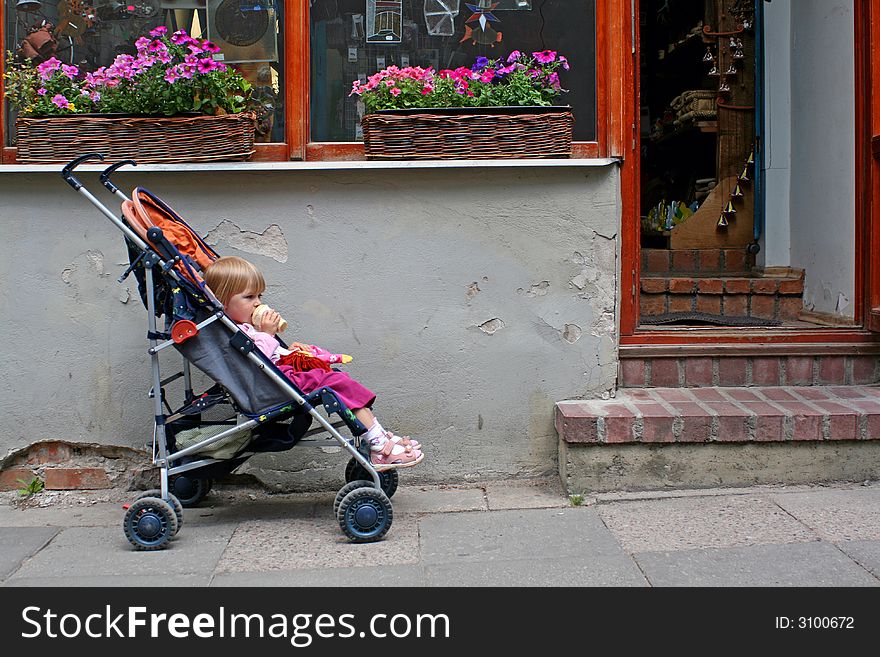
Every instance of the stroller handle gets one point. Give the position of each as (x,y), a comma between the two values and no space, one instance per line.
(105,175)
(67,174)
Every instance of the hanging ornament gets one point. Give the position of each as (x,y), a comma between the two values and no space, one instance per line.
(486,35)
(709,57)
(751,159)
(739,54)
(722,222)
(731,70)
(732,43)
(737,192)
(723,88)
(729,209)
(744,176)
(714,71)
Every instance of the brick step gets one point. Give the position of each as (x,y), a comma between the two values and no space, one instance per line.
(702,261)
(723,415)
(779,298)
(770,370)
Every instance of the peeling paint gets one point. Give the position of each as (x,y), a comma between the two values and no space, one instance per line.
(492,326)
(94,258)
(572,333)
(537,290)
(472,290)
(271,242)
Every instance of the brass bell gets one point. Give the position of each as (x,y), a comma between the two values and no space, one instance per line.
(729,209)
(744,176)
(737,192)
(722,221)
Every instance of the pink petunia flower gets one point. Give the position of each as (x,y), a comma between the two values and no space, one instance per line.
(180,37)
(205,65)
(158,31)
(47,68)
(395,92)
(60,101)
(545,56)
(41,91)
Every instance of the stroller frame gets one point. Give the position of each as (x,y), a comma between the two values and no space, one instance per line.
(362,506)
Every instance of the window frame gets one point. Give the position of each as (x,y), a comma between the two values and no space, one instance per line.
(614,103)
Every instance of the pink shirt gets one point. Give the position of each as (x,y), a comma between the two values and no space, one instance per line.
(266,343)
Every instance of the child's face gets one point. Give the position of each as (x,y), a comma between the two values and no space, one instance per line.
(241,306)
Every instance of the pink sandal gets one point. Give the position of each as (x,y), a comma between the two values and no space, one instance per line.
(406,441)
(384,458)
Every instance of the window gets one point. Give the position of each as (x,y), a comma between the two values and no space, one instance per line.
(352,39)
(302,55)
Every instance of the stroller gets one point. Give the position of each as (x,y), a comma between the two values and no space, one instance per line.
(258,408)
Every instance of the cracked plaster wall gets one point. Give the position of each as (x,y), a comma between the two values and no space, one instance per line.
(471,300)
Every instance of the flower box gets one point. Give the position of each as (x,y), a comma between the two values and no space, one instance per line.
(145,139)
(468,133)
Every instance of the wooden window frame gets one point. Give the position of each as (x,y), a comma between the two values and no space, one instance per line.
(613,79)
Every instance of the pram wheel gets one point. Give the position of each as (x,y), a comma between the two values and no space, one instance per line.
(365,514)
(189,490)
(354,471)
(345,490)
(175,504)
(150,523)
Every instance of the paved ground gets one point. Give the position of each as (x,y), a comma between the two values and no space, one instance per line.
(512,533)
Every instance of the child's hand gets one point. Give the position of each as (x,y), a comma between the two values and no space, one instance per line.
(299,346)
(271,322)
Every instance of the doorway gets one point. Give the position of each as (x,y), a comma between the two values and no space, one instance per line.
(814,172)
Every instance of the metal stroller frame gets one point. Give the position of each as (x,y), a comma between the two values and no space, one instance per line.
(363,507)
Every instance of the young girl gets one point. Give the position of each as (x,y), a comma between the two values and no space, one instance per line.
(239,286)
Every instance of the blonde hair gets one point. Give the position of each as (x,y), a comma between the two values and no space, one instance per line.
(231,275)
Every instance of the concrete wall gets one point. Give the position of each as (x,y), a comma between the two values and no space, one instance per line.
(823,152)
(471,300)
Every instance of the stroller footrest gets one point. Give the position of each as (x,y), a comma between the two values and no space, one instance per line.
(332,404)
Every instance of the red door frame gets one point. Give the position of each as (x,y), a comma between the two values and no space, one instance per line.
(868,153)
(867,269)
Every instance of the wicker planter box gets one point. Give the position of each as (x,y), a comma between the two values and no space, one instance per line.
(145,139)
(468,133)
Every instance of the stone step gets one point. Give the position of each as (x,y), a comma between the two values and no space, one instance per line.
(766,370)
(777,298)
(696,261)
(723,415)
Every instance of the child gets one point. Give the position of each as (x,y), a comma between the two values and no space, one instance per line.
(239,285)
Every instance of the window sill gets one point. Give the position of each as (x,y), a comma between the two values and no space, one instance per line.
(350,165)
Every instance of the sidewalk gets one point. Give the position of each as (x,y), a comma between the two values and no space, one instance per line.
(513,533)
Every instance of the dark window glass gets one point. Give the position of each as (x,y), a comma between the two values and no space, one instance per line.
(352,39)
(91,34)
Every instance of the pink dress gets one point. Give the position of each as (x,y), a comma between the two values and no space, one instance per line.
(353,394)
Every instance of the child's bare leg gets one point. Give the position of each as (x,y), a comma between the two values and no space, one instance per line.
(365,416)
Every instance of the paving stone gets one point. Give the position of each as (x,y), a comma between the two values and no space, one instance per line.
(795,564)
